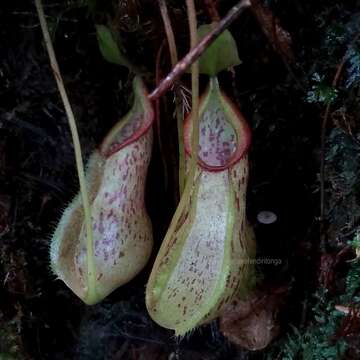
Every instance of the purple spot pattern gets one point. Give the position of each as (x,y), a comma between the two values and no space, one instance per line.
(218,140)
(121,227)
(127,131)
(195,275)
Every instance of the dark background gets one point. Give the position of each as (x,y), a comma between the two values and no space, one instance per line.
(39,317)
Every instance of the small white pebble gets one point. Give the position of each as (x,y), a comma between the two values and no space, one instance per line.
(266,217)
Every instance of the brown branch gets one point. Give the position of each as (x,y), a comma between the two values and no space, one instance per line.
(199,49)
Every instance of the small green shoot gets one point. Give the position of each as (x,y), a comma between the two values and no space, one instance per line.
(109,47)
(221,55)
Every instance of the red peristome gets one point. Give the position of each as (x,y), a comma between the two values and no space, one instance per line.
(243,141)
(118,146)
(146,122)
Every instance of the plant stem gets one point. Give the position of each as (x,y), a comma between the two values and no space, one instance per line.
(178,108)
(194,90)
(191,178)
(198,49)
(77,147)
(169,31)
(157,116)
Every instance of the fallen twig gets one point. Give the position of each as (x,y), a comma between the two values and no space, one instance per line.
(199,49)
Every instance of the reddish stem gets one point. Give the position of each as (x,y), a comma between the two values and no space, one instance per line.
(199,49)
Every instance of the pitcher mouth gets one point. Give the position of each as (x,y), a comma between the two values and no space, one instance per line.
(136,123)
(224,139)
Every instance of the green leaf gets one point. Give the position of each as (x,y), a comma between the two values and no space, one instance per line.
(221,55)
(109,47)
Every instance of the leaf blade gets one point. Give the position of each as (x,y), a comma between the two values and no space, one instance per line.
(221,55)
(109,47)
